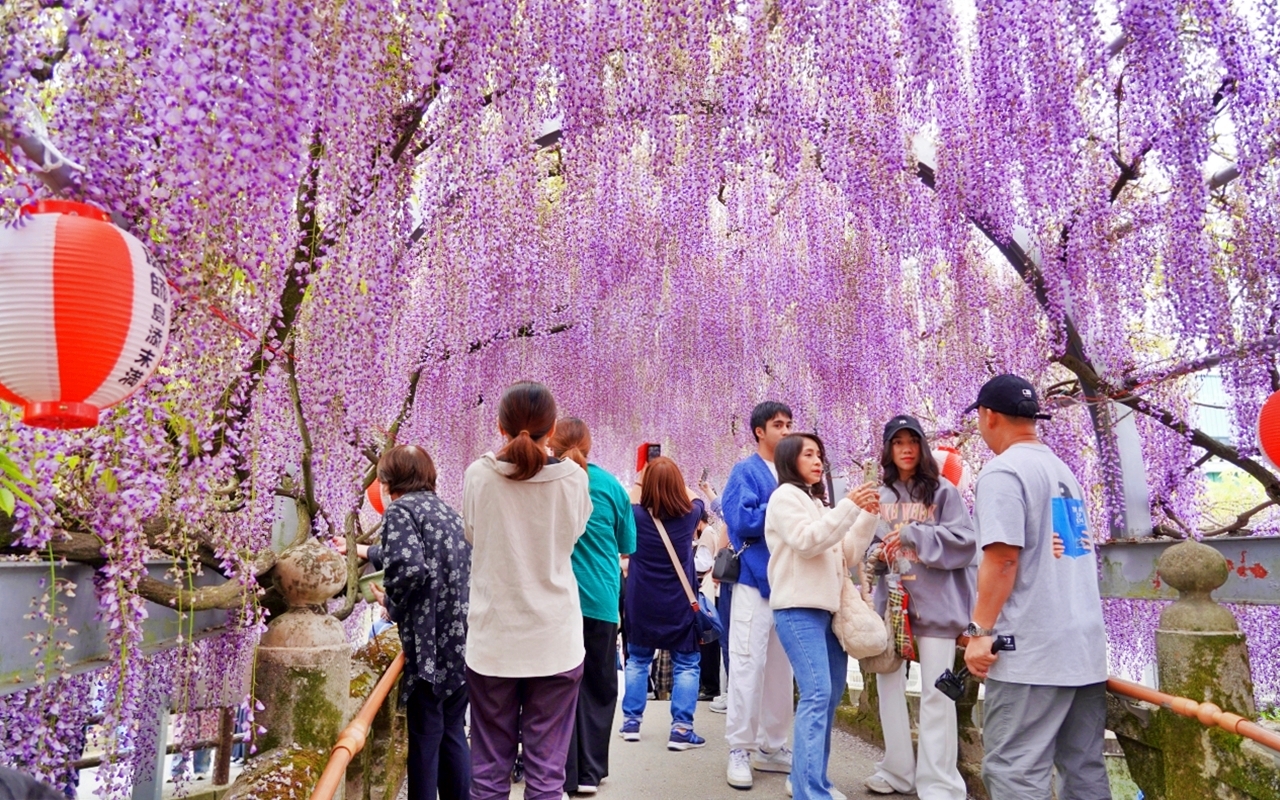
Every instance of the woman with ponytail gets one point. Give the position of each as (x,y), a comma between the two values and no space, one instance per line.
(523,513)
(611,532)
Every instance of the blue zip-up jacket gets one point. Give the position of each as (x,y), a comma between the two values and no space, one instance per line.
(746,495)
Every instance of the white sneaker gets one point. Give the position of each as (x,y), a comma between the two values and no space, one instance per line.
(772,761)
(879,785)
(720,705)
(739,773)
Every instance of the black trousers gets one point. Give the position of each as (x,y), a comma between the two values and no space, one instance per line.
(588,759)
(439,757)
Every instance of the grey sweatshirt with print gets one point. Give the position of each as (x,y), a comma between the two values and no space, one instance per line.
(941,544)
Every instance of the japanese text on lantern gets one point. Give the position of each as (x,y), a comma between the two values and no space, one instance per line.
(144,357)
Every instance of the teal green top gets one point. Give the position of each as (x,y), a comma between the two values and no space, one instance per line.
(611,532)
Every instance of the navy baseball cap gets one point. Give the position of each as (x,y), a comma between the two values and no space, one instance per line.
(903,422)
(1009,395)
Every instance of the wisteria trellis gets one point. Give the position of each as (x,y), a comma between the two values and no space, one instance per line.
(667,210)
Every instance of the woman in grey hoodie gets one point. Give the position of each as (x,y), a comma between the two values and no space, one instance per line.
(926,544)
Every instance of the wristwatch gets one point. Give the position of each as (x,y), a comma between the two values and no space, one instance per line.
(973,630)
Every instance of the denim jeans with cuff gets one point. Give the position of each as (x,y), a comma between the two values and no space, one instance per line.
(685,672)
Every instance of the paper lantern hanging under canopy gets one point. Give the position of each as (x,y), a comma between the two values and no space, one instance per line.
(84,314)
(953,467)
(374,495)
(1269,429)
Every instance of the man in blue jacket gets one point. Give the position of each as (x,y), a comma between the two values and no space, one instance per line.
(760,696)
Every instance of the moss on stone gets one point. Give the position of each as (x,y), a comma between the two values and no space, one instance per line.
(284,774)
(378,653)
(371,660)
(316,721)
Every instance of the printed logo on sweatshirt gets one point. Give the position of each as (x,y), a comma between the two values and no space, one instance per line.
(898,515)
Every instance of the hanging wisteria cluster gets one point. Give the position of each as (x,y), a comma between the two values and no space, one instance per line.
(375,215)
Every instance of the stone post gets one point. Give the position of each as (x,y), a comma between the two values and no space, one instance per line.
(1201,655)
(304,660)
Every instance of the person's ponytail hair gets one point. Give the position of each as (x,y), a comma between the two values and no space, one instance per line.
(572,441)
(526,413)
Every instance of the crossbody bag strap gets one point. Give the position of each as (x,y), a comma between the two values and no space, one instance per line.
(675,561)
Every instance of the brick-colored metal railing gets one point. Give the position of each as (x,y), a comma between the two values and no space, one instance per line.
(352,738)
(1208,713)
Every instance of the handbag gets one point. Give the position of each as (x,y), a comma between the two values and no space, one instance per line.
(857,626)
(888,661)
(728,566)
(704,614)
(899,617)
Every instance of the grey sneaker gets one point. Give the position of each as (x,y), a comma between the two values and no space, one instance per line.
(739,772)
(720,705)
(772,760)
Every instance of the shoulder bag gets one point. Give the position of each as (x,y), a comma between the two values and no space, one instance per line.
(857,626)
(728,566)
(709,627)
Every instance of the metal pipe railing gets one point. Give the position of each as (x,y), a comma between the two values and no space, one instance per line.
(352,738)
(1208,714)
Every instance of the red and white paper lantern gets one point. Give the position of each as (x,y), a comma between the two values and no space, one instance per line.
(953,467)
(374,495)
(84,314)
(1269,429)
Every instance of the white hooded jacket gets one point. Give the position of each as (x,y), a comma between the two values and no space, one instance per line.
(525,619)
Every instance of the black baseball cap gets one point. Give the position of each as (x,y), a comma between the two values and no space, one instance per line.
(1009,395)
(903,422)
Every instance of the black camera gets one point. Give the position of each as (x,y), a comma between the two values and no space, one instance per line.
(952,683)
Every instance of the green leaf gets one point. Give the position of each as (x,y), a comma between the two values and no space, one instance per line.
(108,481)
(11,469)
(7,502)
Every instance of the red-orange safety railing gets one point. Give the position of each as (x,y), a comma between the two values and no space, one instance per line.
(1209,714)
(352,738)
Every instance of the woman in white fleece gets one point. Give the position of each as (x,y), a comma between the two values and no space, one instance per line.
(809,548)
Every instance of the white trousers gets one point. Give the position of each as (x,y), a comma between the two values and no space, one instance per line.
(934,774)
(761,698)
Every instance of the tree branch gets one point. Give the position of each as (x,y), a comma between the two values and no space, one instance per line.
(1195,436)
(304,432)
(1254,348)
(227,595)
(1240,521)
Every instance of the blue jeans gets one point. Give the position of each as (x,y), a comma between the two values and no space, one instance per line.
(820,666)
(685,671)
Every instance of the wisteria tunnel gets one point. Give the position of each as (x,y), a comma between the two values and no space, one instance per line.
(308,232)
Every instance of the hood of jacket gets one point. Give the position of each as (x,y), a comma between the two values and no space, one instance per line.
(551,472)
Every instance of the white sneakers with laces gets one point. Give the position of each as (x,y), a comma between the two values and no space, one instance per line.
(772,760)
(739,772)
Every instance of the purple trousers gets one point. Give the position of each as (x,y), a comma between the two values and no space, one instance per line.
(506,711)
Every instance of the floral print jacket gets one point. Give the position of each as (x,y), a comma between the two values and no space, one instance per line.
(428,571)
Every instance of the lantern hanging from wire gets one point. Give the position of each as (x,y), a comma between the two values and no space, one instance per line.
(1269,429)
(84,314)
(953,467)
